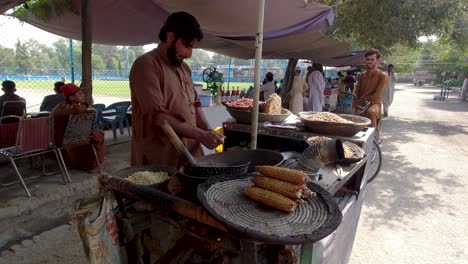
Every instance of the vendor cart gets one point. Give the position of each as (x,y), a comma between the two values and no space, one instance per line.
(158,227)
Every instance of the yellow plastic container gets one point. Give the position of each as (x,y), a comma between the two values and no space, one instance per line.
(220,131)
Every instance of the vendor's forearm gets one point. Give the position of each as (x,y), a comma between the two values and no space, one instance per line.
(202,123)
(182,129)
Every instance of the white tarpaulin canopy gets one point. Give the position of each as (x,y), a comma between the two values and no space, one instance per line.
(292,29)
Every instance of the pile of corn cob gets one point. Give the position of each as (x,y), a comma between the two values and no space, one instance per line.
(279,188)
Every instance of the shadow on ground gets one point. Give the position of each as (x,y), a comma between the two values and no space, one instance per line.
(451,104)
(398,192)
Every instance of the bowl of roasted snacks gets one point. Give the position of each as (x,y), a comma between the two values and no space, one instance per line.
(333,124)
(270,110)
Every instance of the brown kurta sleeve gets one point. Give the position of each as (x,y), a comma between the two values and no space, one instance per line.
(381,83)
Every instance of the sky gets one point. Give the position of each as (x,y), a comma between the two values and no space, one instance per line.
(11,30)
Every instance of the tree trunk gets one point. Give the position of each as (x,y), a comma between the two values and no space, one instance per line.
(288,82)
(87,38)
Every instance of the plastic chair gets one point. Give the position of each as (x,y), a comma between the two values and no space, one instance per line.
(78,133)
(114,105)
(17,108)
(120,118)
(33,138)
(99,108)
(8,130)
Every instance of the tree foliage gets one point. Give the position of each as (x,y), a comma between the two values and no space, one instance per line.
(382,24)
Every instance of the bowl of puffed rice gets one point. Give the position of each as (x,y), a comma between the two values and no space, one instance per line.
(333,124)
(147,175)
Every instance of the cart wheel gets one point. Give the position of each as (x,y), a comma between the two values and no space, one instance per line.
(375,159)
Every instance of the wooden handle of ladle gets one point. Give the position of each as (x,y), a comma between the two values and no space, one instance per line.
(175,140)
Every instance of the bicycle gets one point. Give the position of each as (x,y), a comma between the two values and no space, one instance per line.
(375,154)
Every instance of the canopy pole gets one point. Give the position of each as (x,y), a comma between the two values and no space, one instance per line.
(229,72)
(258,59)
(72,65)
(86,46)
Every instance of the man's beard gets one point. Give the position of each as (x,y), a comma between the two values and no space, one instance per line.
(171,54)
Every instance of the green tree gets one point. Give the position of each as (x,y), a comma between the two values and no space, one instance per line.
(218,59)
(404,58)
(382,24)
(62,53)
(22,57)
(199,59)
(7,57)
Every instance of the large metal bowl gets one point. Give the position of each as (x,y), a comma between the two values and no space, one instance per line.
(256,157)
(245,116)
(333,128)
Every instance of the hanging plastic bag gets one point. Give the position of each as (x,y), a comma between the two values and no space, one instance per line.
(98,230)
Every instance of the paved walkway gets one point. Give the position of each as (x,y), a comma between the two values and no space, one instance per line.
(416,210)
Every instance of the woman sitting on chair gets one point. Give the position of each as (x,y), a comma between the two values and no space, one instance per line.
(75,104)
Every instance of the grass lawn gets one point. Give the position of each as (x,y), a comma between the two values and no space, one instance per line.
(105,87)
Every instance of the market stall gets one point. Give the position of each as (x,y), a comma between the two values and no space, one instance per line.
(190,218)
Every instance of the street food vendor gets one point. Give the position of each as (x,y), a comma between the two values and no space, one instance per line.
(162,89)
(370,87)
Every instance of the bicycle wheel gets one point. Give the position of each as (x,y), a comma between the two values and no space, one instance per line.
(375,161)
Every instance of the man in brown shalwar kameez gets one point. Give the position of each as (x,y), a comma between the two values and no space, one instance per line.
(162,89)
(370,88)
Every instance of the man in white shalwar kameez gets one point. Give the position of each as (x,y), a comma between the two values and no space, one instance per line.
(298,89)
(389,89)
(317,86)
(464,90)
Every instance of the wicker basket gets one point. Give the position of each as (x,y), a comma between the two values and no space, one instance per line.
(333,128)
(245,116)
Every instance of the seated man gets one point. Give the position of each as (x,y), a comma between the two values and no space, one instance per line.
(50,101)
(9,89)
(81,157)
(370,88)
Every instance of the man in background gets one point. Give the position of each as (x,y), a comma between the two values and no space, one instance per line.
(389,89)
(298,89)
(9,95)
(370,88)
(464,90)
(50,101)
(316,88)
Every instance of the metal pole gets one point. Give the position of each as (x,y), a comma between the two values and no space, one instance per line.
(72,66)
(229,72)
(258,58)
(126,63)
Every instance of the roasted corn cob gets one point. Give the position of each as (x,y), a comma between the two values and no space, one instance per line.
(271,199)
(307,193)
(284,174)
(287,189)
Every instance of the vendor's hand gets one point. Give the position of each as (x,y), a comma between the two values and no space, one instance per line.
(210,139)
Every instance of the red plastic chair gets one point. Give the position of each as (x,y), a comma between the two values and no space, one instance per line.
(17,108)
(8,131)
(78,133)
(33,138)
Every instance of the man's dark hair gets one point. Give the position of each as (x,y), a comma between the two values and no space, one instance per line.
(372,52)
(184,26)
(57,86)
(340,74)
(269,77)
(391,66)
(8,86)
